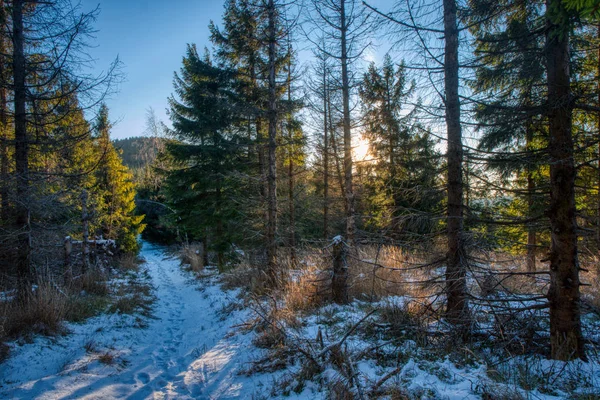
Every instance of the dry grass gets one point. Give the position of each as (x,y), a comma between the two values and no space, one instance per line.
(107,358)
(42,311)
(192,256)
(94,282)
(306,286)
(379,272)
(128,262)
(590,293)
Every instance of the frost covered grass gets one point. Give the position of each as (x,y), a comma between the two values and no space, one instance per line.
(396,353)
(391,341)
(50,304)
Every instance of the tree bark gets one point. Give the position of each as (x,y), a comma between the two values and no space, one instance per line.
(339,280)
(85,244)
(21,151)
(272,146)
(4,184)
(565,321)
(349,193)
(325,157)
(598,127)
(336,156)
(291,181)
(456,287)
(531,234)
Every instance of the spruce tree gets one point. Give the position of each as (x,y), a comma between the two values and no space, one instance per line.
(402,191)
(114,192)
(209,154)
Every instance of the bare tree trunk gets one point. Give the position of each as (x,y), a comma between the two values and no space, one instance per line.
(349,194)
(531,235)
(85,245)
(291,182)
(325,158)
(598,127)
(21,150)
(272,146)
(456,287)
(339,280)
(4,183)
(565,319)
(336,153)
(204,240)
(219,231)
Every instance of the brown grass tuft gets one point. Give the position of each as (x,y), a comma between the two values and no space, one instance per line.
(42,311)
(192,256)
(129,262)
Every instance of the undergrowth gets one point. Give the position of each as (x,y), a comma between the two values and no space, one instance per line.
(395,326)
(120,287)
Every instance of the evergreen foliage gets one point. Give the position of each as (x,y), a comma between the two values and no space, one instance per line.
(209,153)
(402,192)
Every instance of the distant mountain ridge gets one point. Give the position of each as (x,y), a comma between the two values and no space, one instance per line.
(139,152)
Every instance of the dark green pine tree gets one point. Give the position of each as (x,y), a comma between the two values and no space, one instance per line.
(511,80)
(402,193)
(540,36)
(239,46)
(209,154)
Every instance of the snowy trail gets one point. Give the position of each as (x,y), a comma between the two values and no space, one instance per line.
(186,352)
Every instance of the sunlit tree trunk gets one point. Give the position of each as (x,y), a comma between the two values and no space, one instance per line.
(349,193)
(456,288)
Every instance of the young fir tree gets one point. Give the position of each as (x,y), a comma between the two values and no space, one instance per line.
(511,80)
(402,192)
(114,192)
(204,184)
(240,46)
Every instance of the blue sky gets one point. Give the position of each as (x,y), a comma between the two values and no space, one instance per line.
(150,38)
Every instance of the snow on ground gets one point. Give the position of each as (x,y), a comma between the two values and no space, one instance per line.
(186,351)
(194,347)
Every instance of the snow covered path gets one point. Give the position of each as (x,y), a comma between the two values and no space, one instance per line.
(187,351)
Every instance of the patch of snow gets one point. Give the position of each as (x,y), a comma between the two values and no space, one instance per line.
(187,350)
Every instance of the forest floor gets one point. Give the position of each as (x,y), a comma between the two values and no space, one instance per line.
(197,344)
(186,349)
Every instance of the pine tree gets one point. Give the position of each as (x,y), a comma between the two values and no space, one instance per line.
(210,152)
(114,192)
(403,183)
(511,80)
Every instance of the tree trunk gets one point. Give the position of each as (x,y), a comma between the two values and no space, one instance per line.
(598,127)
(456,287)
(339,280)
(565,324)
(291,183)
(272,172)
(4,183)
(219,230)
(325,158)
(531,235)
(21,151)
(85,245)
(336,153)
(349,194)
(204,240)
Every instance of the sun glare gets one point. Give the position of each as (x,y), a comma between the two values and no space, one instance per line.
(360,150)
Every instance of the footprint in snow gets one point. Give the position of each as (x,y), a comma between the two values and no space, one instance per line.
(143,377)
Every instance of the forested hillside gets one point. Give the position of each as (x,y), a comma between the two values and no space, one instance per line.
(404,196)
